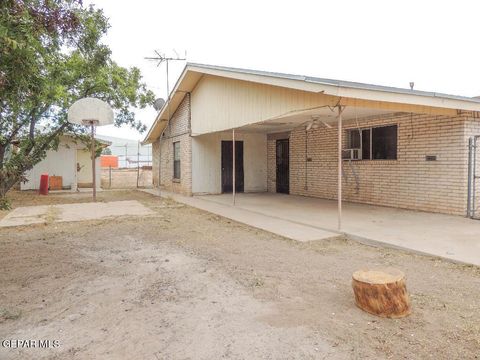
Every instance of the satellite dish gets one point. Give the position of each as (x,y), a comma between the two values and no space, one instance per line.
(90,111)
(158,104)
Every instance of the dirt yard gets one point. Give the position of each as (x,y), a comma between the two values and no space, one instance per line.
(190,285)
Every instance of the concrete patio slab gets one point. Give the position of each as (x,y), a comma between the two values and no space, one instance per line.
(451,237)
(288,229)
(41,214)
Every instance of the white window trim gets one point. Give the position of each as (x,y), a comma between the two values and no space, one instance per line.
(360,149)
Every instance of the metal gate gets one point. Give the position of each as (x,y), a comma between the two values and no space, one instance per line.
(473,210)
(227,167)
(283,166)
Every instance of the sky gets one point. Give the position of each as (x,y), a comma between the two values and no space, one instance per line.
(432,43)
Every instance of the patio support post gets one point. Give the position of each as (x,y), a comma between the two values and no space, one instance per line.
(340,163)
(233,166)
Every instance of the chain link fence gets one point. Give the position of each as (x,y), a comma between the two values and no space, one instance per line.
(134,167)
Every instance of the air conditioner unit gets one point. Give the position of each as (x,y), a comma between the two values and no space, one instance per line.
(352,154)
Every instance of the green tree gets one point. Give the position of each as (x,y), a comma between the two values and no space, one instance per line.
(51,55)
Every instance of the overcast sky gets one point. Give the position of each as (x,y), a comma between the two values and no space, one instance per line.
(433,43)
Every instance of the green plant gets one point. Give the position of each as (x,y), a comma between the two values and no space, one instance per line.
(51,55)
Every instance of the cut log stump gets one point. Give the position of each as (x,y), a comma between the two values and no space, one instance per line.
(381,292)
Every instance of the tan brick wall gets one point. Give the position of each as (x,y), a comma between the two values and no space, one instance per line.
(271,165)
(178,129)
(408,182)
(155,163)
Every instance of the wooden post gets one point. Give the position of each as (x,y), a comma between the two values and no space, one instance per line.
(233,165)
(94,182)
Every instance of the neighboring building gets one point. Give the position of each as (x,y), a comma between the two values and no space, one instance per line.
(129,152)
(401,148)
(71,161)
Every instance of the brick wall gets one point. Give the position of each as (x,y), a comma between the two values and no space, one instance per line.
(271,165)
(408,182)
(178,129)
(155,163)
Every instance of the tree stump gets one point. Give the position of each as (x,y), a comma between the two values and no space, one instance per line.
(381,292)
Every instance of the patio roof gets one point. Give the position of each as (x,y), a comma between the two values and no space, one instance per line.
(379,99)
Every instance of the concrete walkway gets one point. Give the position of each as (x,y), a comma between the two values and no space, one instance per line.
(42,214)
(451,237)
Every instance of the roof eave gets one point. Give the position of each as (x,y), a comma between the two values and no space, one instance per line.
(336,88)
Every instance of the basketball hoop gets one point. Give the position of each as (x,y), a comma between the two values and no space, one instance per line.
(91,112)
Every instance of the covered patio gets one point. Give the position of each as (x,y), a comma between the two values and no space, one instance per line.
(452,237)
(340,140)
(351,156)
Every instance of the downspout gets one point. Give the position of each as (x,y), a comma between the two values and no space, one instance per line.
(160,160)
(189,113)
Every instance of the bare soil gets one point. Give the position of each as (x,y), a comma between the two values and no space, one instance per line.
(191,285)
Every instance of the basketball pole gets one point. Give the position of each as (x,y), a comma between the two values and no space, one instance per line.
(90,112)
(94,182)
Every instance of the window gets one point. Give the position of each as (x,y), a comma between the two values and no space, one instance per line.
(384,143)
(377,143)
(176,160)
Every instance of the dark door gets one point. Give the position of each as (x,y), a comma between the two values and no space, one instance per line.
(283,178)
(227,166)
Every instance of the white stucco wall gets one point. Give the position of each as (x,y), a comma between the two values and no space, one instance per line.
(61,162)
(84,176)
(57,163)
(221,103)
(206,162)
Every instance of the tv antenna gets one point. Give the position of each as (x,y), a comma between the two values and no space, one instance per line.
(162,58)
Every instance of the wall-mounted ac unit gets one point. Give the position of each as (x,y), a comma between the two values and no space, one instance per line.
(352,154)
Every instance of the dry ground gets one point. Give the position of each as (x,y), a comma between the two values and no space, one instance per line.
(191,285)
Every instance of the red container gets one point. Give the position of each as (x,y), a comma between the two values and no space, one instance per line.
(43,184)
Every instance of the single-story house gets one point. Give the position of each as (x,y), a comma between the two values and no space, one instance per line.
(315,137)
(71,161)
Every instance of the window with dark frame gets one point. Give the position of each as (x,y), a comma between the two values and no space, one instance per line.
(375,143)
(176,160)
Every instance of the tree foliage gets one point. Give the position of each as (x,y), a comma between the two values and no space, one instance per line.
(51,55)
